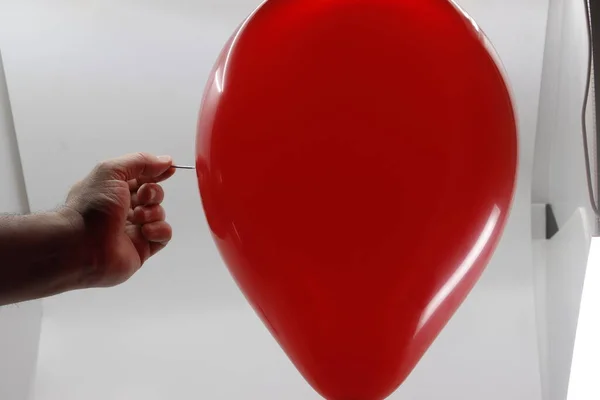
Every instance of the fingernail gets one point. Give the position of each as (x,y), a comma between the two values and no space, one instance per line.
(165,159)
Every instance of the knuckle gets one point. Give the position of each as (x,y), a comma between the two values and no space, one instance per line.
(77,186)
(104,168)
(139,156)
(155,212)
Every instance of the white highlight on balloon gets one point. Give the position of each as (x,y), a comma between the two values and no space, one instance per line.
(220,76)
(463,269)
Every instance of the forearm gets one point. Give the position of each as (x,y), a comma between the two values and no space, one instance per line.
(39,256)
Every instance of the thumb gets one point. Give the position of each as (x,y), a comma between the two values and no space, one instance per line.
(136,165)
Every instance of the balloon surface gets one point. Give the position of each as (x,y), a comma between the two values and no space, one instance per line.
(356,161)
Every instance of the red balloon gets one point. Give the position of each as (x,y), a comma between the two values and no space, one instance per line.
(356,161)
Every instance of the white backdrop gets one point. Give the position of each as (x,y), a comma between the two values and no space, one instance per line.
(91,80)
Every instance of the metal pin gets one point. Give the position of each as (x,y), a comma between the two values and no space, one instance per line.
(183,167)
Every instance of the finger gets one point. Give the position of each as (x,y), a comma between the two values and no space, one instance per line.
(155,247)
(149,239)
(157,232)
(150,193)
(134,202)
(142,246)
(134,166)
(162,177)
(135,184)
(130,215)
(148,214)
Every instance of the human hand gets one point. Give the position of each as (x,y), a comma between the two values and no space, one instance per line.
(117,209)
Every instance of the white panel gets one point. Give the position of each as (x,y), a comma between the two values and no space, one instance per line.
(538,222)
(584,384)
(540,256)
(549,102)
(560,267)
(19,325)
(560,180)
(567,254)
(93,80)
(560,170)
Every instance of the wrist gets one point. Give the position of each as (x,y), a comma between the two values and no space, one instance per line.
(78,262)
(42,255)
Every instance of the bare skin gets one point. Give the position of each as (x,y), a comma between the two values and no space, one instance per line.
(111,223)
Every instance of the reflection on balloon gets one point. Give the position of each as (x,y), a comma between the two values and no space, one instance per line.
(357,162)
(463,268)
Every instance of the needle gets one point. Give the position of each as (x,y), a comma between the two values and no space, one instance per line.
(183,167)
